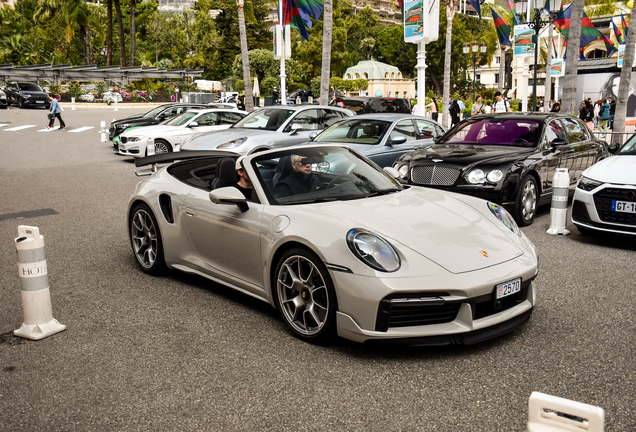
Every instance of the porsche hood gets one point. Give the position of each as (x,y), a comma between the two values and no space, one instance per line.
(442,227)
(211,140)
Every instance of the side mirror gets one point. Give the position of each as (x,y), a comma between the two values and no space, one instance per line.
(392,172)
(313,135)
(398,139)
(229,196)
(193,124)
(296,127)
(613,148)
(559,142)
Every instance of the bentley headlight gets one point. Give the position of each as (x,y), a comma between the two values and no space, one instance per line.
(403,171)
(232,144)
(372,250)
(475,176)
(588,184)
(505,217)
(494,176)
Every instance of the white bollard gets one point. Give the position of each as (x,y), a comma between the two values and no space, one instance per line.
(554,414)
(559,208)
(36,297)
(150,146)
(116,107)
(72,104)
(104,131)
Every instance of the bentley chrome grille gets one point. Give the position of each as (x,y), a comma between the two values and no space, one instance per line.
(434,175)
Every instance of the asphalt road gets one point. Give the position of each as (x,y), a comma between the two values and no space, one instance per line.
(180,353)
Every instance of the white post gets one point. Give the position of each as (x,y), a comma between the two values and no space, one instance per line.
(559,208)
(526,74)
(103,130)
(72,104)
(283,86)
(556,89)
(116,107)
(421,75)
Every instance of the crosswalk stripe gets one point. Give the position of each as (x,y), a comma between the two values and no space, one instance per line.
(4,124)
(18,128)
(48,130)
(82,129)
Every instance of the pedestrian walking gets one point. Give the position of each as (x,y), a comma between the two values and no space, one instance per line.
(433,108)
(597,109)
(454,111)
(603,115)
(586,113)
(55,111)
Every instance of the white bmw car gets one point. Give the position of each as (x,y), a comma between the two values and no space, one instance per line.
(605,196)
(336,244)
(169,136)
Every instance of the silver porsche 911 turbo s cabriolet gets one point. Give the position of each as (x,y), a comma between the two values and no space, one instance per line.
(336,244)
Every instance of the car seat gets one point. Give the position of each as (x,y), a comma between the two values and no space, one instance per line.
(369,130)
(225,173)
(283,169)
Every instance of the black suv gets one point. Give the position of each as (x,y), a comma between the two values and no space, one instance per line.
(152,117)
(26,94)
(367,105)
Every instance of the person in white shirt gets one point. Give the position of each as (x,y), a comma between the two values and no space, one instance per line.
(500,104)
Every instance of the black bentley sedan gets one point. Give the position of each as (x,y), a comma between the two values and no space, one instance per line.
(152,117)
(506,158)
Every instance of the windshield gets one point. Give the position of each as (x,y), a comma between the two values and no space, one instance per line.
(30,87)
(319,174)
(495,131)
(355,131)
(267,119)
(629,148)
(181,119)
(153,112)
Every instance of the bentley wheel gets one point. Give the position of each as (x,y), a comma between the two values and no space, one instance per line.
(305,296)
(526,201)
(162,146)
(145,240)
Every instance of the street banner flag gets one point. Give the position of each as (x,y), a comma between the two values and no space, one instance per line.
(292,17)
(476,5)
(609,45)
(310,8)
(502,28)
(624,25)
(514,14)
(556,53)
(589,33)
(618,33)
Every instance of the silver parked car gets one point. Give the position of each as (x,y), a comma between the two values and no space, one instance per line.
(169,135)
(336,244)
(268,128)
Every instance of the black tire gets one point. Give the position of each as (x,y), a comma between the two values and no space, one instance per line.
(305,296)
(525,208)
(20,104)
(162,146)
(145,240)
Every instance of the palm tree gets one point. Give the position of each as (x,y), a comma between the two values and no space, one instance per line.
(548,71)
(133,41)
(367,44)
(109,40)
(569,104)
(326,52)
(450,14)
(249,101)
(626,77)
(120,28)
(502,67)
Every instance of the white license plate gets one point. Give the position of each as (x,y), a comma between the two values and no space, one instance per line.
(39,101)
(508,288)
(624,206)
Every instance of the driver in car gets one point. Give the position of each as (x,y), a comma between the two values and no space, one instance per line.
(301,179)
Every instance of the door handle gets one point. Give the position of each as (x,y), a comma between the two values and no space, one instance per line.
(190,212)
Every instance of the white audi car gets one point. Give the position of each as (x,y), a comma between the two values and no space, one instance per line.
(605,196)
(336,244)
(169,136)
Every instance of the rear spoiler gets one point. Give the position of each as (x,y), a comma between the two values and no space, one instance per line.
(163,158)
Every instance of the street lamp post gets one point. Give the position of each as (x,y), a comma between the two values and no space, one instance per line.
(536,24)
(475,46)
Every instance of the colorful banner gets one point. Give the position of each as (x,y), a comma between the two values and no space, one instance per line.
(621,55)
(522,44)
(421,21)
(558,68)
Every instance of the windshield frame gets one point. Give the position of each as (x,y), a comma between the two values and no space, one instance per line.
(354,122)
(629,148)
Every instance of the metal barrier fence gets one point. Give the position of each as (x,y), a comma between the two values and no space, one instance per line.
(612,137)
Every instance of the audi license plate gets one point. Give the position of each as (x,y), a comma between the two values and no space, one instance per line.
(624,206)
(508,288)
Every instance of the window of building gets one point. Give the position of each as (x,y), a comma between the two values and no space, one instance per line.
(496,78)
(348,76)
(478,77)
(497,60)
(357,75)
(365,75)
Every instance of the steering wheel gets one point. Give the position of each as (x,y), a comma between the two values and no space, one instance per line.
(342,178)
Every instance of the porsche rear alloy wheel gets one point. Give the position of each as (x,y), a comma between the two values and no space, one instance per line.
(146,240)
(305,295)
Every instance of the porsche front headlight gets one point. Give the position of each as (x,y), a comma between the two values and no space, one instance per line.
(373,250)
(588,184)
(505,217)
(232,144)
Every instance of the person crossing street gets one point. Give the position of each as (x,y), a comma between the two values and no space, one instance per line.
(55,111)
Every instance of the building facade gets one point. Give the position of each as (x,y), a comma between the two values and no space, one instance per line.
(384,80)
